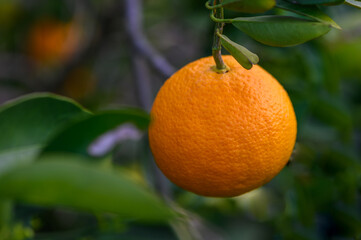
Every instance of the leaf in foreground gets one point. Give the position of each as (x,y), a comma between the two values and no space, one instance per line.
(280,31)
(26,124)
(83,187)
(77,137)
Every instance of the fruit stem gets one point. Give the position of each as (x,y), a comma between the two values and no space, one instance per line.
(220,67)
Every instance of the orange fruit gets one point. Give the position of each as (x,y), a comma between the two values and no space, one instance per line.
(221,135)
(80,83)
(52,41)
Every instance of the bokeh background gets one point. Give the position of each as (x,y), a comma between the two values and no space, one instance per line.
(111,53)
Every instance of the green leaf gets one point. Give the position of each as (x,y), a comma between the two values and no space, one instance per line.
(354,3)
(5,212)
(26,124)
(243,56)
(312,12)
(314,2)
(333,113)
(248,6)
(82,186)
(280,31)
(18,156)
(77,137)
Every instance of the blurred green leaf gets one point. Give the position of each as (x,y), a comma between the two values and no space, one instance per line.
(313,2)
(349,219)
(18,156)
(333,113)
(347,184)
(321,191)
(314,132)
(331,73)
(309,11)
(260,203)
(26,124)
(9,13)
(84,187)
(339,161)
(77,137)
(280,31)
(248,6)
(343,53)
(243,56)
(305,206)
(5,212)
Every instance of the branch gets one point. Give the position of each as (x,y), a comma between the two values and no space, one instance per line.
(142,81)
(133,14)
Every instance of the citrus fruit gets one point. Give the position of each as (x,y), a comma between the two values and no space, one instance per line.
(52,41)
(221,135)
(79,84)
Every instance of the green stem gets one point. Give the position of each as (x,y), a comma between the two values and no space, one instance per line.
(219,20)
(217,47)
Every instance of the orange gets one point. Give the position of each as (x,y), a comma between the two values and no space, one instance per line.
(80,83)
(221,135)
(52,41)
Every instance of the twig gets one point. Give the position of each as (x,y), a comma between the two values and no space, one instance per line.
(133,14)
(142,81)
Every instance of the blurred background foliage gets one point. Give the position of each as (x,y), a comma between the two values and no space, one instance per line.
(91,51)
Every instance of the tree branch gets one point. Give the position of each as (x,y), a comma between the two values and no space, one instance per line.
(133,15)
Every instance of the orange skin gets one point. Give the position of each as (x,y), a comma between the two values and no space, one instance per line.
(222,135)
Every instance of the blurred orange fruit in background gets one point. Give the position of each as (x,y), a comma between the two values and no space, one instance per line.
(79,84)
(52,42)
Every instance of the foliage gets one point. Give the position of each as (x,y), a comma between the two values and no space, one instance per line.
(307,23)
(53,186)
(47,140)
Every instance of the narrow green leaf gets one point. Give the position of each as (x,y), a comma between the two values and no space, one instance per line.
(84,187)
(26,124)
(311,11)
(77,137)
(314,2)
(354,3)
(280,31)
(248,6)
(243,56)
(333,113)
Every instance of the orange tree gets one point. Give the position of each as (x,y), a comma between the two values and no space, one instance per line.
(55,153)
